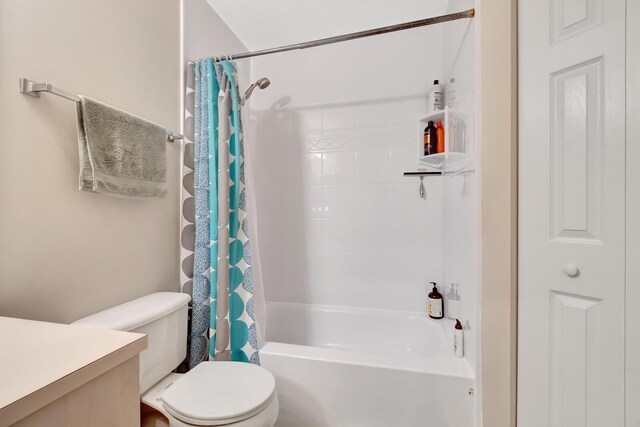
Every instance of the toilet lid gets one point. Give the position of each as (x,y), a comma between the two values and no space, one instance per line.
(215,393)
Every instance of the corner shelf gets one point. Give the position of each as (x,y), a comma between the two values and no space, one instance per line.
(436,116)
(449,160)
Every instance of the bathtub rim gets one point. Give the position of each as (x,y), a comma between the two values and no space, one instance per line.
(444,364)
(448,366)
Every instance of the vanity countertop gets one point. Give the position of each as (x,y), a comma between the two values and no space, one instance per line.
(41,362)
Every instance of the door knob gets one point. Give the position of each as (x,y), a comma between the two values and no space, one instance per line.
(571,270)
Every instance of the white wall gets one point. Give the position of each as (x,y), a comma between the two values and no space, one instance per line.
(338,222)
(461,201)
(262,25)
(460,190)
(65,253)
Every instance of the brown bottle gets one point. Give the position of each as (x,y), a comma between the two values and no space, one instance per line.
(435,306)
(430,139)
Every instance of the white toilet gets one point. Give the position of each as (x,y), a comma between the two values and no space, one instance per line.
(229,394)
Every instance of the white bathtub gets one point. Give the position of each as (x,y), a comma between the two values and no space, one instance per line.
(339,367)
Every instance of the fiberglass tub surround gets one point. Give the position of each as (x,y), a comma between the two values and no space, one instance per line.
(348,246)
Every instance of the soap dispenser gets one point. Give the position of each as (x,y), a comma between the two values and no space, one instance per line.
(435,305)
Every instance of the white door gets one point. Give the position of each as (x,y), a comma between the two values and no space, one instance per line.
(571,287)
(632,362)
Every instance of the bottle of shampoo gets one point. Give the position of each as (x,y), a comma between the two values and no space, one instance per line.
(458,340)
(435,305)
(440,138)
(436,98)
(430,139)
(451,93)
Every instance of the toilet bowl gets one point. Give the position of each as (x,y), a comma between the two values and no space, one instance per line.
(181,413)
(232,394)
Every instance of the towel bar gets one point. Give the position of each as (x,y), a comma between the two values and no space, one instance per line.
(31,88)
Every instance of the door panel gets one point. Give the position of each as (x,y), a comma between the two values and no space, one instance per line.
(571,286)
(576,352)
(576,140)
(572,16)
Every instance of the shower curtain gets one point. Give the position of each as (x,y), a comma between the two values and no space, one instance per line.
(216,251)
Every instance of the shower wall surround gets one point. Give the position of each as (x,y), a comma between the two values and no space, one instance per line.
(333,135)
(338,222)
(460,191)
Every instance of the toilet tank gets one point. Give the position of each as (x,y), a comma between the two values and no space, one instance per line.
(162,316)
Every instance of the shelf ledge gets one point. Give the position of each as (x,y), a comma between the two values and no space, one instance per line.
(451,161)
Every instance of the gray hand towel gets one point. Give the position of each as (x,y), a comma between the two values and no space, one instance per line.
(120,154)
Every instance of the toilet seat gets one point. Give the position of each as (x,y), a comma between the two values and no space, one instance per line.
(219,393)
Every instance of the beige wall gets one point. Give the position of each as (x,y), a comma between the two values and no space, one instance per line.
(498,110)
(65,253)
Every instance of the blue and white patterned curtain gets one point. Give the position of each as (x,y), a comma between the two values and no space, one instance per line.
(215,224)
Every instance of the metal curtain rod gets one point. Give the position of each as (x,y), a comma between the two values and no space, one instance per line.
(352,36)
(31,88)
